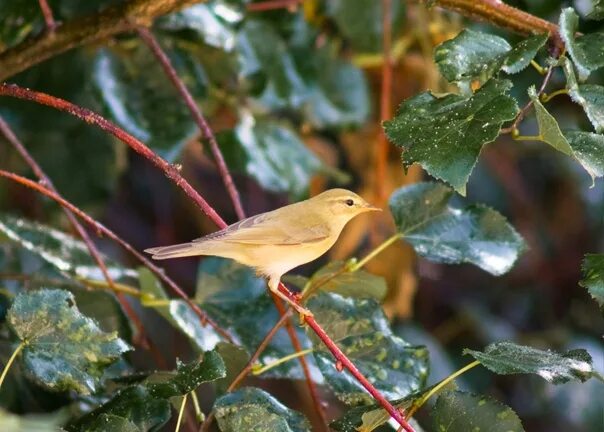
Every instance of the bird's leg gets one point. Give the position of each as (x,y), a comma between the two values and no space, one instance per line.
(273,285)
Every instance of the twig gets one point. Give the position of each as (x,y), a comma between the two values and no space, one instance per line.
(273,5)
(203,125)
(48,17)
(85,30)
(101,229)
(94,252)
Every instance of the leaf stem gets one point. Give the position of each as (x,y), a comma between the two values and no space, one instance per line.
(181,412)
(384,245)
(48,17)
(11,361)
(115,286)
(546,97)
(199,415)
(538,67)
(439,387)
(527,137)
(260,370)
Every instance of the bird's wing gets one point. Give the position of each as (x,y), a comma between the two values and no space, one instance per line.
(265,229)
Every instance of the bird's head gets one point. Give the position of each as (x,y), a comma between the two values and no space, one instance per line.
(343,204)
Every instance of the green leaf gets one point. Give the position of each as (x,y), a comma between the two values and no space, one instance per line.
(470,56)
(335,277)
(521,54)
(147,405)
(457,411)
(587,51)
(597,11)
(361,330)
(63,349)
(548,126)
(111,423)
(593,277)
(253,410)
(235,359)
(18,19)
(506,358)
(477,234)
(445,135)
(591,98)
(35,423)
(240,303)
(270,153)
(588,149)
(137,95)
(68,255)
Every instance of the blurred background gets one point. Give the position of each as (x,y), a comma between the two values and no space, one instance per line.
(301,117)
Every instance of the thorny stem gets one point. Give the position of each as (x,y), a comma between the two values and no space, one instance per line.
(101,229)
(94,252)
(48,17)
(261,369)
(437,388)
(181,411)
(199,118)
(10,361)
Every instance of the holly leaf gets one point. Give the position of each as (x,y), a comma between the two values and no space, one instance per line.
(586,50)
(445,135)
(477,234)
(63,349)
(505,358)
(361,330)
(457,411)
(254,410)
(593,277)
(521,54)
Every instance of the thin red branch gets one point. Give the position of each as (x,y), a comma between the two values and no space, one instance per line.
(94,252)
(102,230)
(48,17)
(199,118)
(273,5)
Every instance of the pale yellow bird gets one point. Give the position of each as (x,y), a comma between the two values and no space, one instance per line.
(275,242)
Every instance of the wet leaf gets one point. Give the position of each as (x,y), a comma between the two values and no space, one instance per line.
(445,135)
(506,358)
(63,348)
(457,411)
(335,277)
(271,153)
(235,359)
(586,50)
(593,277)
(548,126)
(477,234)
(588,149)
(591,98)
(361,330)
(521,54)
(253,410)
(10,422)
(471,55)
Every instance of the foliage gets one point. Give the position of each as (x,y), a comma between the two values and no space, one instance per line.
(297,98)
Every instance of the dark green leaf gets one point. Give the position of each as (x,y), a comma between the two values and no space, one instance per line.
(548,126)
(477,235)
(521,54)
(241,304)
(597,11)
(63,349)
(587,51)
(37,423)
(445,135)
(361,330)
(18,19)
(138,96)
(111,423)
(588,149)
(593,277)
(253,410)
(591,98)
(335,277)
(470,56)
(270,153)
(457,411)
(235,359)
(506,358)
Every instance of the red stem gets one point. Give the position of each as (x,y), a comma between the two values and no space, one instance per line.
(101,229)
(51,24)
(203,125)
(272,5)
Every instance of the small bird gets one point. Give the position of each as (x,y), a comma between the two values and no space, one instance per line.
(277,241)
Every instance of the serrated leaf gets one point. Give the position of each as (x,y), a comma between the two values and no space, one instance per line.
(361,330)
(457,411)
(439,232)
(445,135)
(67,254)
(137,95)
(587,51)
(147,405)
(271,153)
(241,304)
(548,126)
(521,54)
(591,98)
(471,55)
(593,277)
(588,149)
(506,358)
(597,11)
(335,277)
(253,410)
(63,348)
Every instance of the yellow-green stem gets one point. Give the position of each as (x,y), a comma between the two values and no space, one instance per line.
(389,241)
(547,97)
(527,138)
(10,361)
(538,67)
(437,388)
(261,370)
(181,411)
(117,287)
(199,415)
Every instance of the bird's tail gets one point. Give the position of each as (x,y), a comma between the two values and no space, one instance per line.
(176,251)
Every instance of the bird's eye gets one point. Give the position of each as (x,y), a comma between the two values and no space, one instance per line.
(349,202)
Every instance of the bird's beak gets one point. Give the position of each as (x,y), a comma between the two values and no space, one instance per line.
(369,207)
